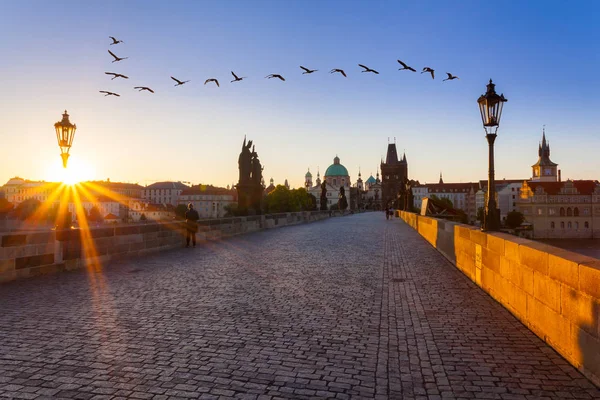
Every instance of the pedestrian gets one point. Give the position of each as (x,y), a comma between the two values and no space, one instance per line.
(387,213)
(191,225)
(391,212)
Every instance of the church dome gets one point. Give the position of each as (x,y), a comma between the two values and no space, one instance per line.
(336,169)
(371,180)
(308,174)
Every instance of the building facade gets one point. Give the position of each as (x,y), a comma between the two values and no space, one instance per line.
(209,201)
(163,192)
(394,174)
(336,176)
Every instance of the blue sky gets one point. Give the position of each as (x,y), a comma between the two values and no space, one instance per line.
(544,56)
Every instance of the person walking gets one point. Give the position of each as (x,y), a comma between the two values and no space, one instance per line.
(391,212)
(191,221)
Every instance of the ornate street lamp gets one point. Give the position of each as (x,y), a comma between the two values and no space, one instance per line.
(490,106)
(65,132)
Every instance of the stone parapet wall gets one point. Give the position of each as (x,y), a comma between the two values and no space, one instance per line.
(554,292)
(23,255)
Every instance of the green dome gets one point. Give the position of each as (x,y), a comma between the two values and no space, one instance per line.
(308,175)
(371,180)
(336,169)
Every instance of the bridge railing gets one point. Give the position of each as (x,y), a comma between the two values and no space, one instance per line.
(554,292)
(28,254)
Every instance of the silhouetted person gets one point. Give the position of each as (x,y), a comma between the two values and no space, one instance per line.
(191,220)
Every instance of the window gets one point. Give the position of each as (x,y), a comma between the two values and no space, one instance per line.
(569,212)
(586,211)
(562,225)
(576,225)
(540,211)
(576,212)
(569,225)
(552,225)
(562,212)
(513,196)
(586,225)
(552,211)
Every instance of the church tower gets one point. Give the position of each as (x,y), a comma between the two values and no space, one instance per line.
(544,170)
(308,180)
(359,182)
(394,172)
(318,181)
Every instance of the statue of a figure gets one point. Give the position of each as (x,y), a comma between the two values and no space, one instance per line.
(324,195)
(244,162)
(343,202)
(256,169)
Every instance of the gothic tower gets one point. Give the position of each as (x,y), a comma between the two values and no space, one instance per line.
(394,172)
(544,170)
(308,180)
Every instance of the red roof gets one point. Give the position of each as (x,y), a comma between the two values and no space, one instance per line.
(585,187)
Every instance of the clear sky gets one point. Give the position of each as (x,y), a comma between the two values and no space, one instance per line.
(543,55)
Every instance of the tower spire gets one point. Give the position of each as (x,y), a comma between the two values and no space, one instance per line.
(441,180)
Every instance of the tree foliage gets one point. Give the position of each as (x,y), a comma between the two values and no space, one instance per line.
(5,206)
(95,215)
(514,219)
(480,214)
(282,199)
(27,209)
(443,200)
(180,211)
(143,217)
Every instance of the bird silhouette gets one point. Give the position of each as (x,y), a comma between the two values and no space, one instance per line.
(450,77)
(275,76)
(115,41)
(212,80)
(117,58)
(115,75)
(144,88)
(109,93)
(431,71)
(341,71)
(367,69)
(308,71)
(179,83)
(236,78)
(404,66)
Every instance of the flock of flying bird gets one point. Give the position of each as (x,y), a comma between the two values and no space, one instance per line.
(270,76)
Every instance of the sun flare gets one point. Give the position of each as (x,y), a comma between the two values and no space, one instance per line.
(76,172)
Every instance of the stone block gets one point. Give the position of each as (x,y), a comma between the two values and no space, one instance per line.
(7,265)
(14,240)
(479,237)
(582,310)
(549,325)
(547,291)
(127,230)
(8,276)
(563,266)
(34,261)
(495,244)
(463,231)
(534,256)
(41,238)
(488,280)
(586,354)
(45,248)
(521,276)
(589,278)
(478,276)
(490,259)
(26,251)
(517,299)
(136,246)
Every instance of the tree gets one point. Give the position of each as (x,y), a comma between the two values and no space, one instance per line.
(278,200)
(514,219)
(231,210)
(27,209)
(95,215)
(5,207)
(143,217)
(480,214)
(443,200)
(180,211)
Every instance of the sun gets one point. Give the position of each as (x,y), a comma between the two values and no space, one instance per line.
(75,172)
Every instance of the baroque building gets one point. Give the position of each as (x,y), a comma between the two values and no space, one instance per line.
(336,176)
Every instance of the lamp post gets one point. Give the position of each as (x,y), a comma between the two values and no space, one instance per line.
(65,132)
(490,106)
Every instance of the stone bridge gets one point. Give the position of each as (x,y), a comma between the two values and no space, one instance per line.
(353,307)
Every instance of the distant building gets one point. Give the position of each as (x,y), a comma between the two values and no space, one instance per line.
(371,195)
(126,190)
(336,176)
(151,212)
(462,195)
(269,188)
(17,190)
(568,209)
(163,192)
(209,201)
(394,173)
(544,170)
(507,193)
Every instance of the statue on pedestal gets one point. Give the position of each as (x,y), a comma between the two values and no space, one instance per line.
(324,196)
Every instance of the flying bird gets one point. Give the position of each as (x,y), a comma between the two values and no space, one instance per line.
(109,93)
(117,58)
(427,69)
(179,83)
(144,88)
(341,71)
(308,71)
(115,75)
(367,69)
(212,80)
(275,76)
(115,41)
(404,66)
(450,77)
(236,78)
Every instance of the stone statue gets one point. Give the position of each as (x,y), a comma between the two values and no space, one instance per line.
(342,202)
(256,169)
(324,196)
(244,163)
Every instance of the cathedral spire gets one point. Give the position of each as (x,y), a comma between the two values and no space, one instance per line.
(441,180)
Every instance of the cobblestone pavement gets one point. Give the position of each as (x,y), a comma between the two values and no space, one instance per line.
(354,307)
